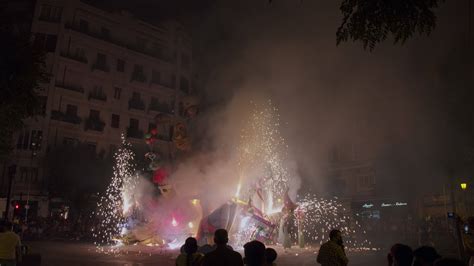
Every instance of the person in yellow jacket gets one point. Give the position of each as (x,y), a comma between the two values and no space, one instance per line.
(190,256)
(10,245)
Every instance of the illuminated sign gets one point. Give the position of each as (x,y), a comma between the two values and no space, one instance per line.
(396,204)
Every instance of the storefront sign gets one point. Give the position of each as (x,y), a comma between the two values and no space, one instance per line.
(396,204)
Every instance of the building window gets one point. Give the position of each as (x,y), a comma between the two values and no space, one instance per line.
(70,142)
(155,77)
(83,25)
(134,123)
(105,33)
(42,103)
(80,53)
(23,174)
(71,110)
(46,41)
(184,84)
(34,174)
(50,13)
(101,62)
(115,123)
(117,93)
(120,65)
(23,140)
(138,73)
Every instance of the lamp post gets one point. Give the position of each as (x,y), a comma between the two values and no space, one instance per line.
(463,186)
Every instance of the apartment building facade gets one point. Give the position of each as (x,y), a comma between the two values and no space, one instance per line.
(111,73)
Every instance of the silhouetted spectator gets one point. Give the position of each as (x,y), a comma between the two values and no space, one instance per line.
(222,255)
(449,262)
(190,257)
(400,255)
(468,241)
(254,253)
(270,256)
(425,256)
(332,252)
(10,245)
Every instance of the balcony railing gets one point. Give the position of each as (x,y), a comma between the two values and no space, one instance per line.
(70,87)
(134,133)
(75,57)
(160,107)
(100,66)
(98,96)
(50,19)
(64,117)
(95,124)
(138,76)
(135,48)
(167,84)
(136,104)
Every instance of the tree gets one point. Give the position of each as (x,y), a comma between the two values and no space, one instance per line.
(22,70)
(373,21)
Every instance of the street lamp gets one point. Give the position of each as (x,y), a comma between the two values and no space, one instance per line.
(463,186)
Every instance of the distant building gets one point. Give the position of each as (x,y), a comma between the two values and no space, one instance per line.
(110,74)
(351,172)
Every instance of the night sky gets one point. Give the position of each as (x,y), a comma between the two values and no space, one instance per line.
(407,106)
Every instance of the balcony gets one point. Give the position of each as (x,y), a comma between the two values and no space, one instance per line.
(160,107)
(99,96)
(100,66)
(134,133)
(75,57)
(137,104)
(138,76)
(50,19)
(135,48)
(95,124)
(64,117)
(70,87)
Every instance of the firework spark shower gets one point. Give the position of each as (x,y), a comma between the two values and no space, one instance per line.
(115,205)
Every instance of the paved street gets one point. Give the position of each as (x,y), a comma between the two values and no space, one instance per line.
(80,254)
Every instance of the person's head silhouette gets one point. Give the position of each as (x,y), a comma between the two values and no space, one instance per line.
(270,255)
(190,246)
(400,255)
(254,253)
(336,235)
(221,237)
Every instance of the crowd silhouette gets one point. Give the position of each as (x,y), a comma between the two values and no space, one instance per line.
(331,253)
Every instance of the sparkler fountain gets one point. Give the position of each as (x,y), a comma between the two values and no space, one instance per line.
(116,205)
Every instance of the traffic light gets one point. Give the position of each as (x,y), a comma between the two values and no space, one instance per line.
(15,204)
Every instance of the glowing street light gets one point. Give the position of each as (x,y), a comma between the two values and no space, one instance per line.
(463,186)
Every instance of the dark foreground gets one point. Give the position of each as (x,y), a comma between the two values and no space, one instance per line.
(75,254)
